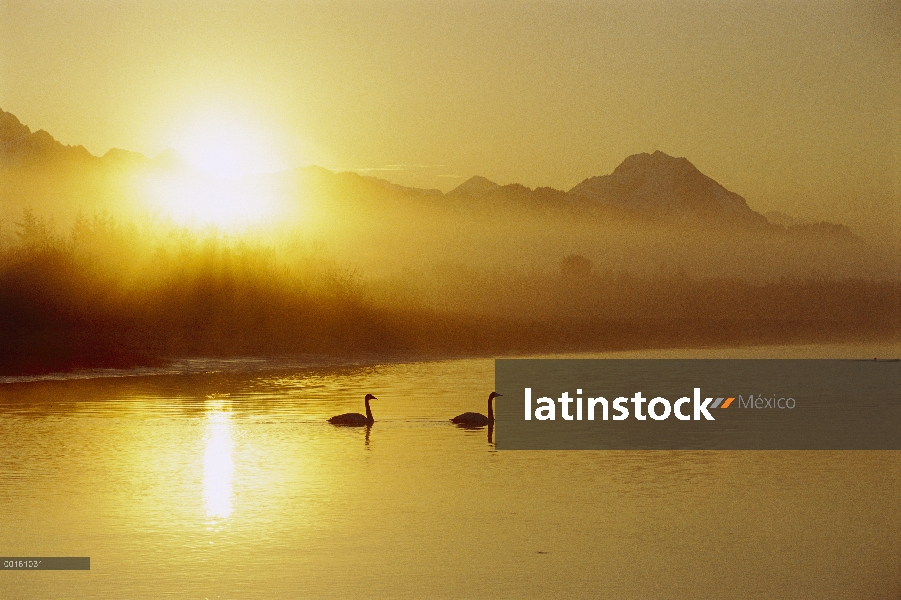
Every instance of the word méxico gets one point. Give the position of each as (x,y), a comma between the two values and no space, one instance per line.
(658,408)
(761,402)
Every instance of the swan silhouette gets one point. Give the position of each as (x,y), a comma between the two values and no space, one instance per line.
(355,419)
(471,419)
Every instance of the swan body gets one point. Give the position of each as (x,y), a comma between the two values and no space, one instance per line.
(355,419)
(471,419)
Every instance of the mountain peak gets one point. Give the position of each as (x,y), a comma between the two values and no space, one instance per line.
(18,145)
(658,162)
(664,185)
(11,128)
(125,157)
(658,157)
(474,186)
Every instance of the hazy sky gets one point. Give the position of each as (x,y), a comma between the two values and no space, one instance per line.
(795,105)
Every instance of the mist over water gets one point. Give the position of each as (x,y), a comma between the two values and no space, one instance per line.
(355,265)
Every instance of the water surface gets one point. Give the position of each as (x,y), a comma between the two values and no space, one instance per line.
(221,479)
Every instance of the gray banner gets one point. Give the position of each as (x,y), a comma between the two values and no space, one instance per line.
(556,404)
(45,563)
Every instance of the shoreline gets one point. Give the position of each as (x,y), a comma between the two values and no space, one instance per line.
(201,364)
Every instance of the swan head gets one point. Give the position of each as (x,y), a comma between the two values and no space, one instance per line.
(494,395)
(370,397)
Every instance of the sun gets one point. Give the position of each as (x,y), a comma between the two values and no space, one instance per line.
(225,146)
(225,185)
(231,206)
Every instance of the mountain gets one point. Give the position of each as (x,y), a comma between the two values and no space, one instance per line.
(474,186)
(124,158)
(19,146)
(401,188)
(661,185)
(656,187)
(383,228)
(644,185)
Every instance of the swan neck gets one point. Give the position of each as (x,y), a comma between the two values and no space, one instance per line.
(368,412)
(490,410)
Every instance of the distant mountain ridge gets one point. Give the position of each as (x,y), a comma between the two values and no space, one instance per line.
(657,185)
(18,145)
(474,186)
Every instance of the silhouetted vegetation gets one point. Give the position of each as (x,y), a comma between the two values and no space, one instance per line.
(110,293)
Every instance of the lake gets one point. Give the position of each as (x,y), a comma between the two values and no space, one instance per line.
(221,479)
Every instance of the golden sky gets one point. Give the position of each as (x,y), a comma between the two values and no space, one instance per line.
(794,105)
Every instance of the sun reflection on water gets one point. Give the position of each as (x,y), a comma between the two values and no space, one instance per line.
(218,465)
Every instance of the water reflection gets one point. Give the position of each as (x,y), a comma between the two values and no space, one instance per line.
(218,465)
(151,477)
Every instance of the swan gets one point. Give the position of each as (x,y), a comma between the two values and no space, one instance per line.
(355,419)
(471,419)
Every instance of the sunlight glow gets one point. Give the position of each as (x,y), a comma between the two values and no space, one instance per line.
(218,466)
(225,169)
(197,201)
(223,146)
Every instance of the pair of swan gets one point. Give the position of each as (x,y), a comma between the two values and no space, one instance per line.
(467,419)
